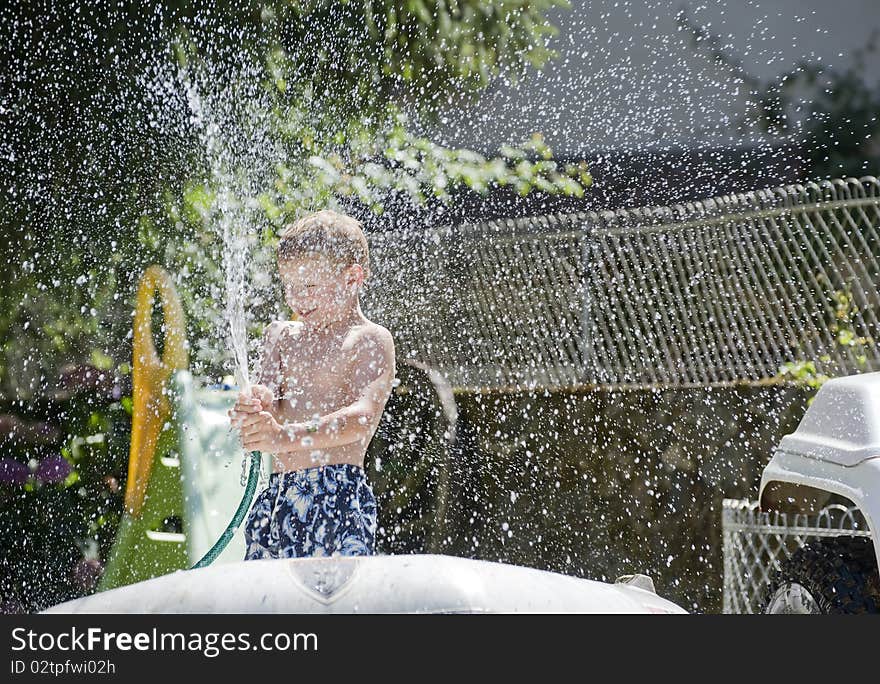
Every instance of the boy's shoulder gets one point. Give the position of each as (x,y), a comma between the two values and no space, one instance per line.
(370,334)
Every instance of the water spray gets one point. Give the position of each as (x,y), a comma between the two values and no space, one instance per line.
(232,217)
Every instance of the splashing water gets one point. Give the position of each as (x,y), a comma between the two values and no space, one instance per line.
(234,173)
(591,484)
(232,221)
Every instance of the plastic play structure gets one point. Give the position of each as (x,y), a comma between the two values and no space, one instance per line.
(415,583)
(810,543)
(182,489)
(832,459)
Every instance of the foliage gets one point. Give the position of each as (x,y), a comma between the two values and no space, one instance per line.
(413,52)
(110,173)
(62,477)
(807,372)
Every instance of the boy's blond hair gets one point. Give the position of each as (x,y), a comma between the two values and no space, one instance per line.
(327,233)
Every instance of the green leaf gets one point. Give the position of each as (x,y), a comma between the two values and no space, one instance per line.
(100,360)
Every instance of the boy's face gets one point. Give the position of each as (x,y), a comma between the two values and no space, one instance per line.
(316,288)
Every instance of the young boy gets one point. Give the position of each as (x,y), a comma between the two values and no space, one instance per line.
(323,383)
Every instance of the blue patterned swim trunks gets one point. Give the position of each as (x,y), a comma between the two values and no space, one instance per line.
(322,511)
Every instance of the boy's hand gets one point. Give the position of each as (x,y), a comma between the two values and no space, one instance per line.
(258,399)
(261,432)
(264,394)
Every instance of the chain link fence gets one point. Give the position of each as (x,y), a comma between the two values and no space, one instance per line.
(723,290)
(756,542)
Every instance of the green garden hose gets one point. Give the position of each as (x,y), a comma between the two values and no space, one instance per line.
(250,488)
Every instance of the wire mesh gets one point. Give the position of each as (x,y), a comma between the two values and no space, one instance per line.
(722,290)
(756,542)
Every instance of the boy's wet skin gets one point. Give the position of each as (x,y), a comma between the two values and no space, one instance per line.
(318,374)
(333,366)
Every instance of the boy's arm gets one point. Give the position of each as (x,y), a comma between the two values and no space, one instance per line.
(372,377)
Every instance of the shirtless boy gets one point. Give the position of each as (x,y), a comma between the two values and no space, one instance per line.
(323,383)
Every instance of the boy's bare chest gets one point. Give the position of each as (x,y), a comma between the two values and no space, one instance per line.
(314,375)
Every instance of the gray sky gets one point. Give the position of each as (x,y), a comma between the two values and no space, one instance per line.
(627,78)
